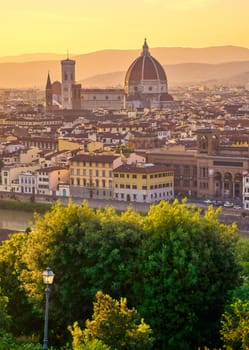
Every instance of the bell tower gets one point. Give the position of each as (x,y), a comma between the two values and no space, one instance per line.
(208,141)
(68,79)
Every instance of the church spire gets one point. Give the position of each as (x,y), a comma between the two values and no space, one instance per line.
(48,85)
(145,48)
(49,94)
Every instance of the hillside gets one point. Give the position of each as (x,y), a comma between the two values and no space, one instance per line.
(232,72)
(108,67)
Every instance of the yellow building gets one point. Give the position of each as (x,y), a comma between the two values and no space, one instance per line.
(91,175)
(143,182)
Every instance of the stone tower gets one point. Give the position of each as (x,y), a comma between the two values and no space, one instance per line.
(208,141)
(68,79)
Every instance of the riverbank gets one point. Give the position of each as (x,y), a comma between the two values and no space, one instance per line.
(24,205)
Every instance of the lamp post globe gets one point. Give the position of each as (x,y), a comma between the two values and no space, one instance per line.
(48,278)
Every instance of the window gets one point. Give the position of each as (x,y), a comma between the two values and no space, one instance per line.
(106,97)
(134,176)
(144,176)
(103,173)
(134,187)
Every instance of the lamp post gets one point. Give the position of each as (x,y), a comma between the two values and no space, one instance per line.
(48,278)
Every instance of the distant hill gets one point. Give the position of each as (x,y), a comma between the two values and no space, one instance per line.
(108,67)
(185,73)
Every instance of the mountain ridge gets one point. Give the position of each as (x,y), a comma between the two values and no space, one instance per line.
(33,73)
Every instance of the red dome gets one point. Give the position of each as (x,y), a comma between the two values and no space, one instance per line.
(145,67)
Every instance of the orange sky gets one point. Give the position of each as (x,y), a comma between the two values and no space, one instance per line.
(82,26)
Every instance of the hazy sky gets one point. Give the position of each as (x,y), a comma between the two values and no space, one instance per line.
(82,26)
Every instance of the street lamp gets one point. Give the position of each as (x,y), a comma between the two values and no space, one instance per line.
(48,278)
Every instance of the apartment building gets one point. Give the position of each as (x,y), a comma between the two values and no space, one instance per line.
(91,175)
(143,182)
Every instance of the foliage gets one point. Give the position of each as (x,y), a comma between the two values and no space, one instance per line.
(4,317)
(123,149)
(8,342)
(94,344)
(187,266)
(235,326)
(87,250)
(174,265)
(18,308)
(115,325)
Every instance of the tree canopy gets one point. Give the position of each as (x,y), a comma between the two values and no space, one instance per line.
(174,265)
(115,325)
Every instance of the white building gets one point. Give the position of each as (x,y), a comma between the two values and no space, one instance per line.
(27,182)
(10,176)
(245,190)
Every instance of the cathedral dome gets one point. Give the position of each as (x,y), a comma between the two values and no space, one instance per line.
(144,68)
(146,83)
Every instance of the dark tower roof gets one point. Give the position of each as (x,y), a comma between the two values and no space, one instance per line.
(48,85)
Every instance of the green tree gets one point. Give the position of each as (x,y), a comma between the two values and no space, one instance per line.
(87,250)
(4,317)
(235,326)
(187,266)
(115,325)
(24,320)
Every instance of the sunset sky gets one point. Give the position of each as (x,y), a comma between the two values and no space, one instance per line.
(81,26)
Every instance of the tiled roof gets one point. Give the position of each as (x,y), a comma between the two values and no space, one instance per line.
(135,168)
(94,158)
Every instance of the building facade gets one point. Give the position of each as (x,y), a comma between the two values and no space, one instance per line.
(91,176)
(211,171)
(143,183)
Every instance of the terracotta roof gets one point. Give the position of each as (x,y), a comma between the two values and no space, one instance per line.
(145,67)
(50,169)
(94,158)
(135,168)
